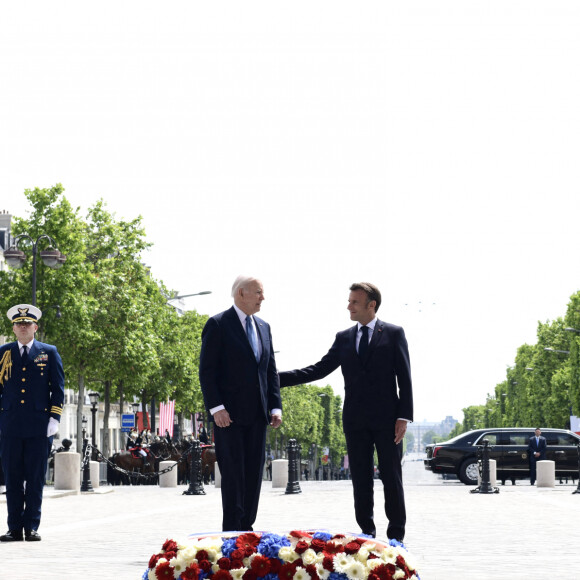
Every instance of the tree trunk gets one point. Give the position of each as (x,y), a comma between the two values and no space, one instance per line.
(106,443)
(80,408)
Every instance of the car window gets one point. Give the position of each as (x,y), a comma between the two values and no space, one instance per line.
(518,439)
(566,439)
(493,439)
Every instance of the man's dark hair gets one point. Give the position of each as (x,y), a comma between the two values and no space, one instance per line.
(370,290)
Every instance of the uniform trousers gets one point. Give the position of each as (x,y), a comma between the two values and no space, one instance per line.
(24,459)
(240,453)
(361,444)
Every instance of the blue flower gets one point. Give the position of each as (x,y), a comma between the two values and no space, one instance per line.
(270,544)
(337,576)
(324,536)
(145,575)
(228,546)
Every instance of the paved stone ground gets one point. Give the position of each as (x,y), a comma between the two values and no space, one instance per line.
(522,533)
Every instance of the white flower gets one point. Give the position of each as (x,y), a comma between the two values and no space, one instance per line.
(238,573)
(357,571)
(152,575)
(178,564)
(301,574)
(287,554)
(389,554)
(214,568)
(398,574)
(362,555)
(373,563)
(309,556)
(187,553)
(322,572)
(341,562)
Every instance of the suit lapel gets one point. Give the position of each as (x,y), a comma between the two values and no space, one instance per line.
(261,327)
(240,331)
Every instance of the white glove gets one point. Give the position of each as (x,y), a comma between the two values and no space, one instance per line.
(52,427)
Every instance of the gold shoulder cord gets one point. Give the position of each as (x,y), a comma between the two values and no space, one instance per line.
(6,367)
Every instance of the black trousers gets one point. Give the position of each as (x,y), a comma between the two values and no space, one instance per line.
(240,453)
(361,445)
(24,461)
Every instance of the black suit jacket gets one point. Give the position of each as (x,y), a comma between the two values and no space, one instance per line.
(229,373)
(378,390)
(539,448)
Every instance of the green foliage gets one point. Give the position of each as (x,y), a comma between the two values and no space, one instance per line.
(543,388)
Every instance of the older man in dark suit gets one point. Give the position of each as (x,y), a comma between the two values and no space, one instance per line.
(31,400)
(374,359)
(241,390)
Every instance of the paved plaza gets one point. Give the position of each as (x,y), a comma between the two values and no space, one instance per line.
(522,533)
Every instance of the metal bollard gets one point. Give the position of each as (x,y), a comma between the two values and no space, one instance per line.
(483,456)
(577,490)
(293,485)
(86,485)
(195,478)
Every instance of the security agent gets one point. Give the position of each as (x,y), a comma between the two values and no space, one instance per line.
(31,401)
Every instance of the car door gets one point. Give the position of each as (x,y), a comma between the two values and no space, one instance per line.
(563,451)
(514,459)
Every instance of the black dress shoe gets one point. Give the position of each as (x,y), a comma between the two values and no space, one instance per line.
(12,536)
(31,536)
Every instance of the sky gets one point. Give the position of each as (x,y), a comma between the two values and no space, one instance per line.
(428,147)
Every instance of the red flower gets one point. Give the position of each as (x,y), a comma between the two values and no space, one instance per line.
(317,545)
(237,555)
(205,565)
(338,537)
(154,559)
(250,575)
(224,564)
(169,555)
(372,556)
(327,563)
(352,548)
(248,551)
(248,540)
(287,571)
(384,571)
(170,546)
(311,569)
(201,555)
(299,534)
(332,548)
(275,565)
(261,566)
(222,575)
(164,571)
(301,547)
(237,563)
(191,572)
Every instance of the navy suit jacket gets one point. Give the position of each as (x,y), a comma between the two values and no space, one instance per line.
(33,393)
(378,390)
(229,373)
(539,448)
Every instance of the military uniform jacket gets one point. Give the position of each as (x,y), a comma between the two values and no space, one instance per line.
(31,393)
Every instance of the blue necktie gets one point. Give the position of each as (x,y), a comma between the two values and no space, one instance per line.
(363,345)
(252,337)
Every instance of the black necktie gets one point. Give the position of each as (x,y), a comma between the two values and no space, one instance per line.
(363,345)
(24,354)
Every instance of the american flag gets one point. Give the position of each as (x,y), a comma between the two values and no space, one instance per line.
(166,413)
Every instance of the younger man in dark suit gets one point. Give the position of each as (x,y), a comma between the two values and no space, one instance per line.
(536,452)
(31,400)
(378,403)
(240,386)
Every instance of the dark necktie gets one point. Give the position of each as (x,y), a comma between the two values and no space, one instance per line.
(24,354)
(252,337)
(363,345)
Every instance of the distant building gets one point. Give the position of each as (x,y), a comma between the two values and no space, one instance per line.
(441,428)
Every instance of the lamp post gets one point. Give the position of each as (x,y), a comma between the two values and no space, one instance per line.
(94,398)
(51,256)
(86,485)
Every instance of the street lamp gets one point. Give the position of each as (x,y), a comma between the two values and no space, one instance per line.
(94,398)
(550,349)
(202,293)
(51,256)
(86,485)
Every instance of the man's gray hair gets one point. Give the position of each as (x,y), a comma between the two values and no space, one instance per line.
(242,282)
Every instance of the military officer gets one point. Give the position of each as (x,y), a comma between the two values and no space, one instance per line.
(31,400)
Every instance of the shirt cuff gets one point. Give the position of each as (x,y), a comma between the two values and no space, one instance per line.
(214,410)
(401,419)
(276,412)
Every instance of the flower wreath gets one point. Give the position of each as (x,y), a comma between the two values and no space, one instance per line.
(298,555)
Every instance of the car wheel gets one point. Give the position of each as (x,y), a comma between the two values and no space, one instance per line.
(469,471)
